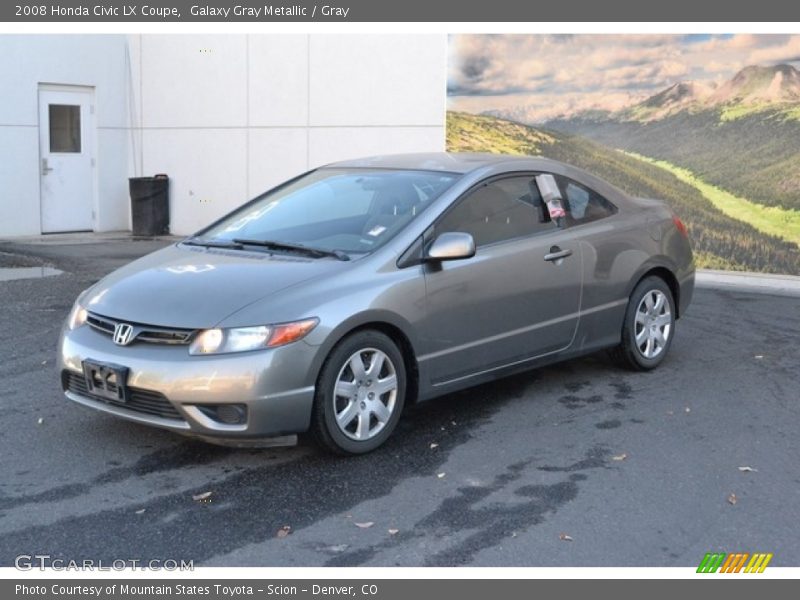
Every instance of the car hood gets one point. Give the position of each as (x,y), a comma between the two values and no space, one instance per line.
(195,287)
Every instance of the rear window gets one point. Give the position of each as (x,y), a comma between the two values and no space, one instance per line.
(583,205)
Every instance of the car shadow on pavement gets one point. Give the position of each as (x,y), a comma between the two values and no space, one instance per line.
(250,503)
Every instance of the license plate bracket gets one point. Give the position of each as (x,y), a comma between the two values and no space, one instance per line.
(106,380)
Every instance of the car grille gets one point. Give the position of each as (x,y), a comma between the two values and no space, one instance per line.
(141,333)
(141,401)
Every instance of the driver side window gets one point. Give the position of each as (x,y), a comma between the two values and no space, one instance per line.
(497,211)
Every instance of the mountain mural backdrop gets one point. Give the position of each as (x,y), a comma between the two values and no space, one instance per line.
(743,136)
(710,124)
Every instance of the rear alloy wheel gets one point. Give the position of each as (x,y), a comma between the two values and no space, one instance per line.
(649,325)
(360,394)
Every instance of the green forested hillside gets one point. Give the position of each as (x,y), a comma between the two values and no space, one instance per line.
(719,241)
(755,155)
(742,136)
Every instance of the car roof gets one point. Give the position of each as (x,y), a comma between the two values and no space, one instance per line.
(447,162)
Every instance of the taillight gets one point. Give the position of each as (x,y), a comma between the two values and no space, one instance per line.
(680,226)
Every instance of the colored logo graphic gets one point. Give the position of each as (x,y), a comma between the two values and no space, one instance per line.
(734,563)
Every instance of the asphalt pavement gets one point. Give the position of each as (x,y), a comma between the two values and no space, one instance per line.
(577,464)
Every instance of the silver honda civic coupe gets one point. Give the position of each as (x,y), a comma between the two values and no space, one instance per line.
(332,301)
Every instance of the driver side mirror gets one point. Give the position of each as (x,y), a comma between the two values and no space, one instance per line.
(452,245)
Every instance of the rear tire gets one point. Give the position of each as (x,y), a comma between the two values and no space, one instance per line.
(649,326)
(360,394)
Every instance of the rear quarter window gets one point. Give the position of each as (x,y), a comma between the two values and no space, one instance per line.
(583,205)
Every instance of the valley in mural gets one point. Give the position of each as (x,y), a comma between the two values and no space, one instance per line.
(720,241)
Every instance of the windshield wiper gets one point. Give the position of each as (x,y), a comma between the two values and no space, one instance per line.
(307,250)
(196,241)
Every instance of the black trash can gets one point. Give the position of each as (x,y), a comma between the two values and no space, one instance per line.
(150,205)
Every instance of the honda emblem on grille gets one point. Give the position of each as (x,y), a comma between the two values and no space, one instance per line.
(123,334)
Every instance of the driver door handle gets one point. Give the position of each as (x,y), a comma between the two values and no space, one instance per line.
(45,168)
(557,253)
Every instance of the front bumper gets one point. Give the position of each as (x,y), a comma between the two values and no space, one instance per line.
(275,385)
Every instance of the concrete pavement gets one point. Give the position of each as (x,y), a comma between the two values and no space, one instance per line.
(638,469)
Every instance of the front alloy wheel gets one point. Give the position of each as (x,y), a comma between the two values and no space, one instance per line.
(365,394)
(360,394)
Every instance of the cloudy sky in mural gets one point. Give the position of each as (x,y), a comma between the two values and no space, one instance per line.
(538,77)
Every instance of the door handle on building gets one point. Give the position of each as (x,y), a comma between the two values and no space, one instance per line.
(45,168)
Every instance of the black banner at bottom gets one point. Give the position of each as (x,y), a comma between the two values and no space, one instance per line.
(377,589)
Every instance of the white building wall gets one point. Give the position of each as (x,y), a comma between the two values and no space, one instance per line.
(225,116)
(27,60)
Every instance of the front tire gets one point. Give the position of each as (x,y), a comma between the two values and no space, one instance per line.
(360,394)
(649,326)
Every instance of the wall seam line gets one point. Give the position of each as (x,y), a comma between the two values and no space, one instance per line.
(308,101)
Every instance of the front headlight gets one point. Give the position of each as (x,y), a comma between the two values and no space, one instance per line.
(77,316)
(243,339)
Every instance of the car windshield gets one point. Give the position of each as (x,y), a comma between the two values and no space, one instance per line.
(332,210)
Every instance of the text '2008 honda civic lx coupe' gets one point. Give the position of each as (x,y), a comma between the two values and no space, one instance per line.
(334,300)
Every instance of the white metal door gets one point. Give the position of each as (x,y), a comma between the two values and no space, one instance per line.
(66,136)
